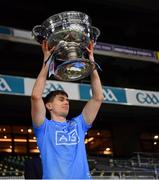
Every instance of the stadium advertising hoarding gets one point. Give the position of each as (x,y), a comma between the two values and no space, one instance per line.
(142,98)
(11,85)
(23,86)
(111,94)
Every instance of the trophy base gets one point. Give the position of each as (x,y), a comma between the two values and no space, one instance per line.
(74,70)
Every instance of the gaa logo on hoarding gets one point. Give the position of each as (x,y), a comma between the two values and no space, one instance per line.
(52,87)
(108,95)
(4,85)
(147,98)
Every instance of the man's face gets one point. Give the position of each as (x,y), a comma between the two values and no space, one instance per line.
(60,105)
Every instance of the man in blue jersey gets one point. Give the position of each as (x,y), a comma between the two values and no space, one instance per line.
(61,141)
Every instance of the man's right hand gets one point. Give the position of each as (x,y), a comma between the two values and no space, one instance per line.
(47,51)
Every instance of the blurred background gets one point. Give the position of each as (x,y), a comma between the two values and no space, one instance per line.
(124,139)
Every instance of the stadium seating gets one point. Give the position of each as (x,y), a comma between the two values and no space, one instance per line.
(139,166)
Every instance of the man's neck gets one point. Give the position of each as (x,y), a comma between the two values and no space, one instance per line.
(58,118)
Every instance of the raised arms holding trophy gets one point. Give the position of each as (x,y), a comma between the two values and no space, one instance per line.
(61,141)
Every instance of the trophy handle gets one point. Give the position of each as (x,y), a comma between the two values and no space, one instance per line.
(39,33)
(95,32)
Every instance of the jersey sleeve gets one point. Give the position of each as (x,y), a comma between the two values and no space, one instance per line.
(80,120)
(40,131)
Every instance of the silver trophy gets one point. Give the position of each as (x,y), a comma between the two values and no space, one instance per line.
(71,33)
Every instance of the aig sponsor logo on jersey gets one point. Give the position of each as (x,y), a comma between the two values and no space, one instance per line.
(147,98)
(65,138)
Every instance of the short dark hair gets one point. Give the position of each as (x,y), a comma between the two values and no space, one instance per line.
(51,95)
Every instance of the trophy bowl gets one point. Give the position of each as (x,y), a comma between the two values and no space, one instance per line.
(70,32)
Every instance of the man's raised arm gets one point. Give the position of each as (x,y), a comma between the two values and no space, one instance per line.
(38,110)
(92,106)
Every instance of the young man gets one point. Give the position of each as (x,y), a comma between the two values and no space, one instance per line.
(61,141)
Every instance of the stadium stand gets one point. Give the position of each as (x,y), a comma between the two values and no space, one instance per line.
(139,166)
